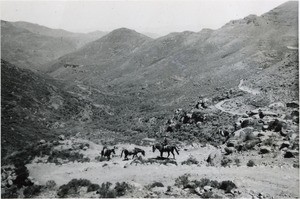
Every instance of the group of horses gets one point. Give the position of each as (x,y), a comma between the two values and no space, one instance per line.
(106,152)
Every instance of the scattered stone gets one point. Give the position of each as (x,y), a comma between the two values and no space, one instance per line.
(207,188)
(229,150)
(265,149)
(42,141)
(293,104)
(61,137)
(85,148)
(276,105)
(285,144)
(215,158)
(291,154)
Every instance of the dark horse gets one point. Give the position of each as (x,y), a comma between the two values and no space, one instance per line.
(166,148)
(133,152)
(107,152)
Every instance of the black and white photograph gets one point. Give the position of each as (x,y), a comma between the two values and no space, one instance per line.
(149,99)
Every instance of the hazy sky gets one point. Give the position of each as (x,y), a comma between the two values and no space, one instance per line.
(156,16)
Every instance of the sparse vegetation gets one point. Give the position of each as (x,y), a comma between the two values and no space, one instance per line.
(72,187)
(31,191)
(250,163)
(157,184)
(227,186)
(191,160)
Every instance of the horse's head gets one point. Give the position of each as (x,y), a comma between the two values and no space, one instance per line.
(143,152)
(113,151)
(153,148)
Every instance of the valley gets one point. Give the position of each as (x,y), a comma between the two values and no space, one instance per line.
(226,99)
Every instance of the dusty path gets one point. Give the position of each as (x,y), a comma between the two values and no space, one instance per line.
(237,112)
(278,181)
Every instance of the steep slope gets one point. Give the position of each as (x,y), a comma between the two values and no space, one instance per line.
(181,66)
(31,46)
(79,39)
(100,55)
(35,107)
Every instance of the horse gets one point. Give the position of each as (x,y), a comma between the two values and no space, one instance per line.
(166,148)
(107,152)
(133,152)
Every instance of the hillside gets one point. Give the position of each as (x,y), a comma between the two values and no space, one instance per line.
(31,46)
(34,107)
(174,70)
(80,39)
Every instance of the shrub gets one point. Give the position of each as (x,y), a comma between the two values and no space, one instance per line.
(237,162)
(31,191)
(190,160)
(157,184)
(227,186)
(105,191)
(250,163)
(11,192)
(72,187)
(93,187)
(50,184)
(182,180)
(121,188)
(225,162)
(22,174)
(206,182)
(66,155)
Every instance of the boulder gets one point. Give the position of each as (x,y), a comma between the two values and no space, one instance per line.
(285,144)
(61,137)
(215,158)
(42,141)
(276,105)
(265,149)
(85,148)
(291,154)
(241,134)
(229,150)
(293,104)
(207,188)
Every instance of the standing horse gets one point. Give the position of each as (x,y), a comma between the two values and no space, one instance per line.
(107,152)
(167,148)
(133,152)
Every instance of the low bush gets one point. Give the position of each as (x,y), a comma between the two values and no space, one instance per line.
(121,188)
(250,163)
(227,186)
(206,182)
(157,184)
(11,192)
(191,160)
(32,191)
(66,155)
(50,184)
(182,181)
(225,162)
(105,191)
(93,187)
(72,187)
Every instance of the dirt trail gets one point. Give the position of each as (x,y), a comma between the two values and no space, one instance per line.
(279,181)
(236,112)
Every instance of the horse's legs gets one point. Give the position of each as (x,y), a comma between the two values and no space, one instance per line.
(161,153)
(173,154)
(168,154)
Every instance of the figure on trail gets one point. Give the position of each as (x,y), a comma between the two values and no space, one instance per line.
(133,152)
(165,148)
(107,152)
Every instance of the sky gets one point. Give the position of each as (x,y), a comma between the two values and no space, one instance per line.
(154,16)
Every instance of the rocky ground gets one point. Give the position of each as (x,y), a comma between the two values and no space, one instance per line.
(258,159)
